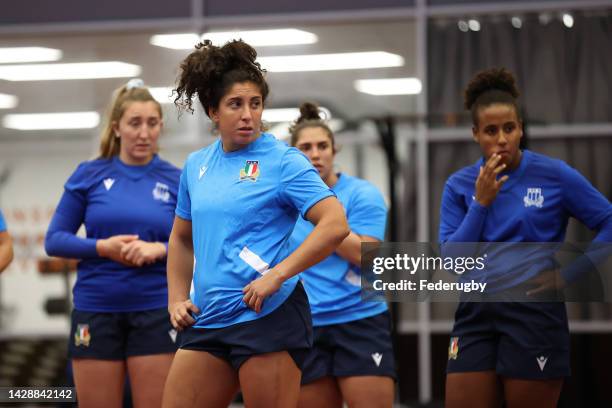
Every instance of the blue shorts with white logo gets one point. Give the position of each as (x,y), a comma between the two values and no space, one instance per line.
(119,335)
(526,340)
(360,347)
(288,328)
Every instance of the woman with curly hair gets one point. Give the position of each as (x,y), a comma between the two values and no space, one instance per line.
(517,351)
(247,321)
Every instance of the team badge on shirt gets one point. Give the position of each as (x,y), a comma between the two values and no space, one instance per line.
(250,170)
(453,348)
(82,336)
(161,192)
(534,198)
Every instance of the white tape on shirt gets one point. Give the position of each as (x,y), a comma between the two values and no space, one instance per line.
(254,261)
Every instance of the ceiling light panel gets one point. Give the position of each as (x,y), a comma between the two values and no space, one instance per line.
(256,38)
(8,101)
(47,121)
(79,70)
(389,86)
(16,55)
(331,62)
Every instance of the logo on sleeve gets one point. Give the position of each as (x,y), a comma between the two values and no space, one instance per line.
(108,183)
(202,171)
(250,170)
(534,198)
(161,192)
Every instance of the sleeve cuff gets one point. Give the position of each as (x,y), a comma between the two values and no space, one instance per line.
(183,214)
(310,203)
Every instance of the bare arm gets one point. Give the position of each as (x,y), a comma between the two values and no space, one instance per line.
(6,250)
(330,230)
(180,274)
(350,248)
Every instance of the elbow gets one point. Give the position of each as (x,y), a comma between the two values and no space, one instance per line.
(340,230)
(50,247)
(11,255)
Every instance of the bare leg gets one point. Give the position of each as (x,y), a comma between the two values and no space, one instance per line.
(322,393)
(147,377)
(99,383)
(475,389)
(367,391)
(270,380)
(532,393)
(199,379)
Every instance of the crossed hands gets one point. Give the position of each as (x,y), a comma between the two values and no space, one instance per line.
(130,251)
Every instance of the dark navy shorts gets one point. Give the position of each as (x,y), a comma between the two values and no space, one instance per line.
(288,328)
(360,347)
(526,340)
(118,335)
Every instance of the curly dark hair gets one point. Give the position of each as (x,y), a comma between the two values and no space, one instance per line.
(310,117)
(210,72)
(488,87)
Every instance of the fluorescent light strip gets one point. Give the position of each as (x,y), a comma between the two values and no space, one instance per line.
(46,121)
(14,55)
(264,38)
(389,86)
(162,94)
(79,70)
(8,101)
(329,62)
(256,38)
(288,114)
(175,41)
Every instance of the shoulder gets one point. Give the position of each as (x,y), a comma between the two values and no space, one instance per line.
(357,192)
(276,147)
(166,172)
(360,187)
(197,156)
(544,163)
(88,173)
(91,168)
(167,166)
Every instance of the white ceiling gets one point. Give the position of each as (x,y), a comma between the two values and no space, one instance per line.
(333,89)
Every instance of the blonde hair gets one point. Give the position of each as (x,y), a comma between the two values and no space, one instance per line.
(110,145)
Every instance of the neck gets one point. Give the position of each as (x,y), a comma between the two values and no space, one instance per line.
(131,161)
(331,179)
(517,161)
(229,147)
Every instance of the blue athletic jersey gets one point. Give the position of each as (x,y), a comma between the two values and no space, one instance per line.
(112,198)
(334,285)
(534,205)
(243,206)
(2,223)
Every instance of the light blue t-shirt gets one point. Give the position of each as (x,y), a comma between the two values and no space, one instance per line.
(534,205)
(243,206)
(2,223)
(334,284)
